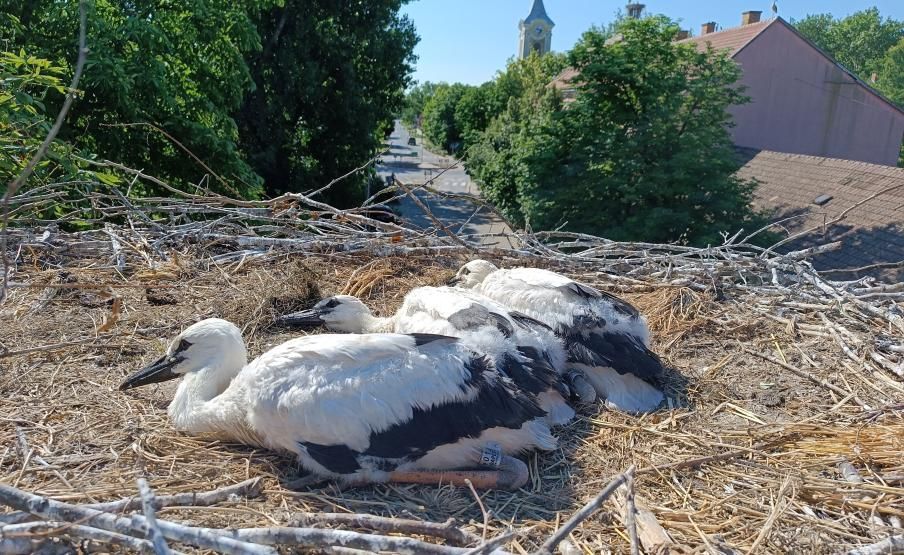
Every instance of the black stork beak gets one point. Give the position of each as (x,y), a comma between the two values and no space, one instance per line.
(454,281)
(306,319)
(161,370)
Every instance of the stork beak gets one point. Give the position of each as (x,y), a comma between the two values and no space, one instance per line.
(454,281)
(160,370)
(305,319)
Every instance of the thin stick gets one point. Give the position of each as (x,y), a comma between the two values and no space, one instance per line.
(586,511)
(491,545)
(79,531)
(134,525)
(248,489)
(483,511)
(777,510)
(446,530)
(58,346)
(801,373)
(42,150)
(315,538)
(153,531)
(433,218)
(630,512)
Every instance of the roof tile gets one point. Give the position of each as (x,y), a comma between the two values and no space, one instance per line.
(872,232)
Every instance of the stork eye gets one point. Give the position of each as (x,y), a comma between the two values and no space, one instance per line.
(332,303)
(182,347)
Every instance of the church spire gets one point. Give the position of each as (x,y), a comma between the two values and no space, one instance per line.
(538,12)
(536,32)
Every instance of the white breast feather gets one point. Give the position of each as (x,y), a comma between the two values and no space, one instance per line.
(338,389)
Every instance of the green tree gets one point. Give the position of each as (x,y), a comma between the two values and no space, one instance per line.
(473,113)
(641,153)
(177,65)
(440,125)
(327,82)
(521,100)
(25,82)
(859,41)
(415,100)
(891,74)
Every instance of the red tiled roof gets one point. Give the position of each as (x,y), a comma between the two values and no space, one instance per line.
(871,233)
(733,40)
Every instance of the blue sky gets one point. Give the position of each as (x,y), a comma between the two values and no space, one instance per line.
(469,40)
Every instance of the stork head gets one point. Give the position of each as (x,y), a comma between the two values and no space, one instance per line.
(342,313)
(473,273)
(211,343)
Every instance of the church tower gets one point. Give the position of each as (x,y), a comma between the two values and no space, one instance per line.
(536,32)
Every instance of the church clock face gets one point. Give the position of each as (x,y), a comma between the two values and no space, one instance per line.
(539,31)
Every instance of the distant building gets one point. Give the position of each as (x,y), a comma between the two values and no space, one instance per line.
(536,32)
(809,193)
(802,100)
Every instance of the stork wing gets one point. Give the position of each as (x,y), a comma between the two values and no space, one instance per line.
(622,352)
(342,397)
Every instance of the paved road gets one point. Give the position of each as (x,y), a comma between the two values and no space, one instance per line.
(415,165)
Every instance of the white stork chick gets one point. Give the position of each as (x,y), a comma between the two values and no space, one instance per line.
(518,347)
(606,336)
(359,408)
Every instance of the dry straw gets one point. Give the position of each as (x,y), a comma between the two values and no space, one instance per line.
(782,430)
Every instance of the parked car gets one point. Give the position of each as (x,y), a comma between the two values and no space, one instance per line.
(412,141)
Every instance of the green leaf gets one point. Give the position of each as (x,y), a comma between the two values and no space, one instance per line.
(108,178)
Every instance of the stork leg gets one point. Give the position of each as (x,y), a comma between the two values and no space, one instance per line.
(510,475)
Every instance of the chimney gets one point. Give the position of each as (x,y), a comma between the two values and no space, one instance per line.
(682,34)
(748,18)
(635,10)
(708,27)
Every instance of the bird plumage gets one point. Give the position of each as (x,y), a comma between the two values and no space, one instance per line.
(353,406)
(600,331)
(529,355)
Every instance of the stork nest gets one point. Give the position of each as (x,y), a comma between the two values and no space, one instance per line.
(782,431)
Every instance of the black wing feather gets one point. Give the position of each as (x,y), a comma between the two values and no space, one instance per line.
(499,403)
(623,353)
(526,322)
(589,293)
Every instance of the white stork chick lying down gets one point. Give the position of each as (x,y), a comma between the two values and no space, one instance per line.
(360,408)
(528,354)
(605,336)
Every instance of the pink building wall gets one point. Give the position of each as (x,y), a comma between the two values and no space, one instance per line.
(808,105)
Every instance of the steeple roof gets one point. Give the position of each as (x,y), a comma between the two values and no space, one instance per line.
(538,11)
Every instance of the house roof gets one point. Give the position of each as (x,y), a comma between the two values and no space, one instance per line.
(564,80)
(736,39)
(733,40)
(871,232)
(538,11)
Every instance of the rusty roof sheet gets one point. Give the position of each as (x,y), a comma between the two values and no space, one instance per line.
(871,232)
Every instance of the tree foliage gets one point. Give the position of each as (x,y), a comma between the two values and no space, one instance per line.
(891,73)
(440,125)
(499,158)
(327,82)
(25,81)
(642,153)
(415,100)
(860,41)
(291,92)
(177,65)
